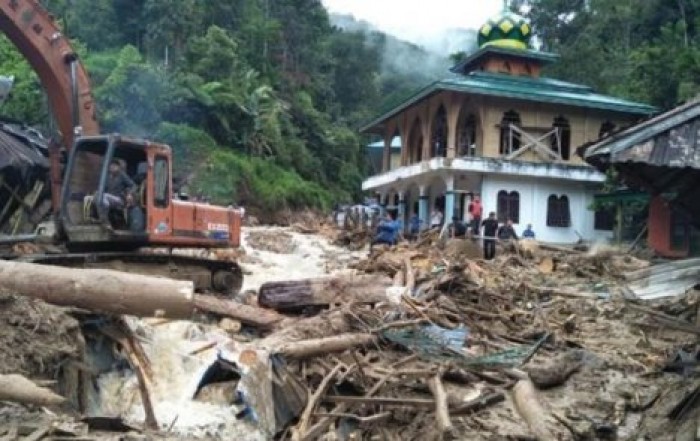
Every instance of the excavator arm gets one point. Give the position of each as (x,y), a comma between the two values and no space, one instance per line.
(36,35)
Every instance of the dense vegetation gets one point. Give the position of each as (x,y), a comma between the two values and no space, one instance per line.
(644,50)
(261,99)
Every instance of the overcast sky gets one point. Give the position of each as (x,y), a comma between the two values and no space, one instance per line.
(412,19)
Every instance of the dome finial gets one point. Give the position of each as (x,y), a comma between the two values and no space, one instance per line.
(509,30)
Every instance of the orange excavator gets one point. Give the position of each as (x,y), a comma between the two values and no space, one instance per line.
(90,233)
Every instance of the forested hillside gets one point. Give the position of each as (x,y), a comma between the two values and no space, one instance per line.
(260,99)
(646,50)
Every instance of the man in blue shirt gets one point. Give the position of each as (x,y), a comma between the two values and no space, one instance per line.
(528,233)
(387,231)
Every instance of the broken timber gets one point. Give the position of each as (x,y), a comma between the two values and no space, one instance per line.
(19,389)
(114,292)
(325,291)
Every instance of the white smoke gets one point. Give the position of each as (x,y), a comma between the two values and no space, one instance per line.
(5,87)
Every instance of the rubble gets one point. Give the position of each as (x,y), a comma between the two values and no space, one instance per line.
(275,242)
(426,340)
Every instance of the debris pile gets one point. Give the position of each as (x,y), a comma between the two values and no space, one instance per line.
(427,341)
(24,186)
(273,241)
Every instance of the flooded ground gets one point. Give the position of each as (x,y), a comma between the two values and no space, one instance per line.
(174,348)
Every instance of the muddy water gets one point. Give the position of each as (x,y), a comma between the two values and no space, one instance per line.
(176,371)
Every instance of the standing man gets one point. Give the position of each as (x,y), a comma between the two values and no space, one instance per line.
(436,218)
(490,228)
(414,226)
(475,212)
(507,232)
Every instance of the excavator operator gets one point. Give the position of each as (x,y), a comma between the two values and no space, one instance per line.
(119,191)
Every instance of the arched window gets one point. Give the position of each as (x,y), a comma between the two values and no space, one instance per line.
(561,139)
(510,139)
(508,206)
(439,139)
(558,212)
(466,138)
(606,129)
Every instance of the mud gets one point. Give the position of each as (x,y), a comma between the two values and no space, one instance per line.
(36,339)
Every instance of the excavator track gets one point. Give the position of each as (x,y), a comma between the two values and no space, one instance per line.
(219,276)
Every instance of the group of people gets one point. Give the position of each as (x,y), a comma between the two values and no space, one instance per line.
(389,229)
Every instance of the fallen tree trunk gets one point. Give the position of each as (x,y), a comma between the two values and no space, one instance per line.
(99,290)
(118,293)
(19,389)
(325,291)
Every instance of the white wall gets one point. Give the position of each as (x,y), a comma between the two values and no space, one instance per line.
(534,193)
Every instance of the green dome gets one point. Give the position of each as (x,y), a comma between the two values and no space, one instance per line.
(507,30)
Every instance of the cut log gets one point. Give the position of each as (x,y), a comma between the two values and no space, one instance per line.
(297,294)
(320,346)
(118,293)
(19,389)
(531,410)
(98,290)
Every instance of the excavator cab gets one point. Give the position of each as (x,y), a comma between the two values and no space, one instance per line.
(152,218)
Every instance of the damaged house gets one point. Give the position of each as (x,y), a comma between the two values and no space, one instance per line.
(498,128)
(25,196)
(661,156)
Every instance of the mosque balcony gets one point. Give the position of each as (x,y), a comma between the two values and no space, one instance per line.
(481,165)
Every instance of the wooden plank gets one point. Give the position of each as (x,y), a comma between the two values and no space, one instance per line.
(384,401)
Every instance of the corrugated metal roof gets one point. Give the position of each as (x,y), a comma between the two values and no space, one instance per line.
(523,88)
(668,139)
(18,150)
(668,279)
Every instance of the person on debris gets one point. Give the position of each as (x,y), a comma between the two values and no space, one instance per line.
(490,226)
(436,218)
(507,232)
(387,231)
(119,190)
(476,211)
(458,228)
(414,226)
(528,233)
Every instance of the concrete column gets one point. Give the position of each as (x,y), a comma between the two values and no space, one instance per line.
(423,209)
(402,210)
(386,153)
(452,121)
(449,199)
(427,128)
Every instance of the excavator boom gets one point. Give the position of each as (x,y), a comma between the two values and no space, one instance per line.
(36,35)
(86,220)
